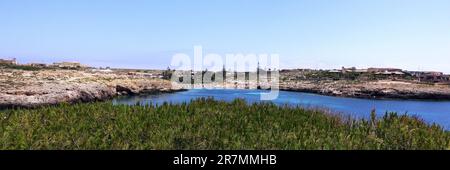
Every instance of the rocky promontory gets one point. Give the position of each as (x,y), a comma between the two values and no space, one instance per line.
(382,89)
(20,88)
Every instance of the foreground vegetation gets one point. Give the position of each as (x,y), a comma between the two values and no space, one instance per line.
(209,124)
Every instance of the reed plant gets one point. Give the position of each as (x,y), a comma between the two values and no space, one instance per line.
(210,124)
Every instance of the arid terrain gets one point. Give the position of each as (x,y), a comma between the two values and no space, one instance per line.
(379,89)
(26,88)
(21,88)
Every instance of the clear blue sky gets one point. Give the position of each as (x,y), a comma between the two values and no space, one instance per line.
(411,34)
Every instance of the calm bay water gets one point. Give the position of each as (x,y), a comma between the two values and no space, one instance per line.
(431,111)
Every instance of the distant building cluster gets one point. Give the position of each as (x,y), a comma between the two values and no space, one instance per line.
(422,76)
(144,75)
(430,76)
(69,65)
(63,65)
(378,71)
(9,62)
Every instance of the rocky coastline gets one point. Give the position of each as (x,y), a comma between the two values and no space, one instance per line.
(383,89)
(29,89)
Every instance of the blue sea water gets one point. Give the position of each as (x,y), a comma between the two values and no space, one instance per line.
(430,111)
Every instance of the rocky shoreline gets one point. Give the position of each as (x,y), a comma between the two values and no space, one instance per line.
(29,89)
(384,89)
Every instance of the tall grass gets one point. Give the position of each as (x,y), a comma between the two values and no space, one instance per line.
(209,124)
